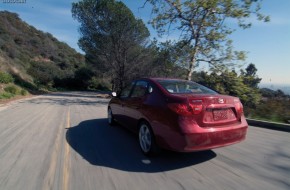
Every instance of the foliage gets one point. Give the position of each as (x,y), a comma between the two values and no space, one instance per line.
(44,73)
(12,89)
(278,94)
(5,95)
(80,80)
(18,80)
(229,82)
(163,63)
(250,76)
(272,109)
(5,78)
(22,47)
(23,92)
(275,106)
(203,28)
(113,39)
(99,84)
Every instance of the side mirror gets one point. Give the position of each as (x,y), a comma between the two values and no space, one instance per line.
(114,94)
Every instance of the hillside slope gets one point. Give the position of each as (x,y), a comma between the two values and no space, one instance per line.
(33,57)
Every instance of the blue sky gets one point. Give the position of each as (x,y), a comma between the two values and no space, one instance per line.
(267,44)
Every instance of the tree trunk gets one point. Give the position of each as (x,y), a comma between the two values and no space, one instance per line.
(191,68)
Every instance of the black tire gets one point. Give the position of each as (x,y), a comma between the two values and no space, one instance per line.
(111,119)
(146,140)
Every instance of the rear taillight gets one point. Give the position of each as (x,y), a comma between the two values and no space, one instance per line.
(180,109)
(238,106)
(194,107)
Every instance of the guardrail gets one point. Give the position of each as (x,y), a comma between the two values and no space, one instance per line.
(269,125)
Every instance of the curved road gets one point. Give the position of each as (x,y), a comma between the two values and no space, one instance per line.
(62,141)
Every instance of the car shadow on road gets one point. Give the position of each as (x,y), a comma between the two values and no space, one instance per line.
(115,147)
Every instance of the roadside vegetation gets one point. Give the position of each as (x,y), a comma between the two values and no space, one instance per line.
(118,48)
(8,89)
(274,106)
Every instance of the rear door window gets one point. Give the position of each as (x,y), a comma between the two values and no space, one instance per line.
(126,91)
(140,89)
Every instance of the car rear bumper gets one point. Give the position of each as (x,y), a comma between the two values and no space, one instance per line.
(215,139)
(197,138)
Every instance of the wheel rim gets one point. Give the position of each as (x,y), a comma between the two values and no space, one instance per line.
(145,138)
(110,117)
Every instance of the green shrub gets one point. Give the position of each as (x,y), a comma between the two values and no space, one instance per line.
(6,95)
(23,92)
(5,78)
(12,89)
(98,84)
(277,110)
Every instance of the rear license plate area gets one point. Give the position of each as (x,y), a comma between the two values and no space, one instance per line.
(220,114)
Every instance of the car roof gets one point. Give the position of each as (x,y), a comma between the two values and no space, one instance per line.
(160,78)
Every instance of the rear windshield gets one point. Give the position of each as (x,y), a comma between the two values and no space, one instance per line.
(184,87)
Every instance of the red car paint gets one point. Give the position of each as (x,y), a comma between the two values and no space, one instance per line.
(184,122)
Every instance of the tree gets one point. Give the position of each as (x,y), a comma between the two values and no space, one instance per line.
(203,28)
(111,37)
(229,82)
(250,77)
(163,60)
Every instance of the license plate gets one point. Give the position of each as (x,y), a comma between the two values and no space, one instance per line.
(220,114)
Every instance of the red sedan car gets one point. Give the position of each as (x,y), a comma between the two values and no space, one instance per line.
(178,115)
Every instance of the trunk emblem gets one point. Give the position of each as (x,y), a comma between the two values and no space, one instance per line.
(221,101)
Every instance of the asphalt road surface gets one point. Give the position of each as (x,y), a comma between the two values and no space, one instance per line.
(62,141)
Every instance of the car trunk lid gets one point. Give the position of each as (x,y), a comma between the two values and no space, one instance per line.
(213,110)
(217,110)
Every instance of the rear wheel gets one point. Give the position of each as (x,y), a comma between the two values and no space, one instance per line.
(146,139)
(111,120)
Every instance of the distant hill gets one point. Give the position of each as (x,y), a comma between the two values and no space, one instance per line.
(34,57)
(283,87)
